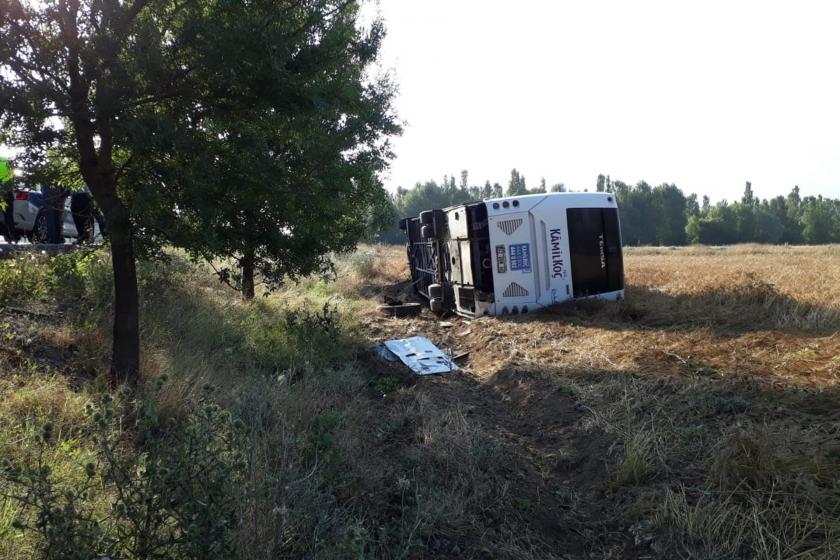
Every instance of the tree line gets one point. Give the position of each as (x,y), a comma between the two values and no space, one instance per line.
(652,215)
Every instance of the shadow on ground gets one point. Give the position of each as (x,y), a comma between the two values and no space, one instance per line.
(583,463)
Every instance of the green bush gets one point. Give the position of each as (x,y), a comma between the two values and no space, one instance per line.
(296,339)
(313,326)
(363,265)
(23,279)
(170,489)
(81,275)
(68,277)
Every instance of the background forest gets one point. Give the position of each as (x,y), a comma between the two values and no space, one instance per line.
(660,215)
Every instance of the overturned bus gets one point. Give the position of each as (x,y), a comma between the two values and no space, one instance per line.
(516,254)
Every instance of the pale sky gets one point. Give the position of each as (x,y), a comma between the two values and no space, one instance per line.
(706,95)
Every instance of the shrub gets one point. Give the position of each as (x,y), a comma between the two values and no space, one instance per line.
(363,265)
(174,497)
(81,275)
(297,341)
(69,277)
(22,279)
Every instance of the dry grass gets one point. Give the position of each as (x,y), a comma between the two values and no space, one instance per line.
(747,311)
(696,419)
(795,286)
(32,392)
(699,391)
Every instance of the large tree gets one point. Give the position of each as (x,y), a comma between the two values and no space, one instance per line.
(238,128)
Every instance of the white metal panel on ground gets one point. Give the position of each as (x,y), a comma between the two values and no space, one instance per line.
(423,357)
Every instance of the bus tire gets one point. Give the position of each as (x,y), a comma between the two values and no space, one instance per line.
(435,291)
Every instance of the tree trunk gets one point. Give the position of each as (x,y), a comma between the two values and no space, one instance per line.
(125,360)
(100,178)
(248,276)
(92,126)
(125,357)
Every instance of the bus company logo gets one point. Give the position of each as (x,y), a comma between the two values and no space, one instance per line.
(558,270)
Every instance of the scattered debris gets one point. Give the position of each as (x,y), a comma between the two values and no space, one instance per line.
(460,356)
(445,324)
(419,354)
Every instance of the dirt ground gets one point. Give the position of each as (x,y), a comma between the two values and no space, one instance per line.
(657,427)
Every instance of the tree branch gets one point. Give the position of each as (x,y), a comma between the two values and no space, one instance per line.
(26,34)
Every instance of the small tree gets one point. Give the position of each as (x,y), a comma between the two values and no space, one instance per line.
(749,197)
(601,183)
(516,186)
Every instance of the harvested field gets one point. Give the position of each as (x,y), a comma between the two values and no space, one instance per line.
(698,418)
(748,312)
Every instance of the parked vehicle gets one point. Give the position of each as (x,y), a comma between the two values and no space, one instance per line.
(516,254)
(28,216)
